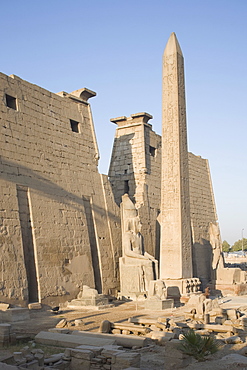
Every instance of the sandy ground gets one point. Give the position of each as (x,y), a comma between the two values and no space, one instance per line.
(152,357)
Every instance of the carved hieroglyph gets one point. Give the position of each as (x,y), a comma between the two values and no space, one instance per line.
(176,249)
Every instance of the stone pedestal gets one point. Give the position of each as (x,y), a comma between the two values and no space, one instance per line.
(181,287)
(136,275)
(158,305)
(90,298)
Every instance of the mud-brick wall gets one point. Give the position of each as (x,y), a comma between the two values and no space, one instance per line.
(57,213)
(203,211)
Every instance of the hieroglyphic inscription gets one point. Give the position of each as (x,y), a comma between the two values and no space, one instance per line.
(176,259)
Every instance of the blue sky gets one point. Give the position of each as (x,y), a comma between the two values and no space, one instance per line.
(115,48)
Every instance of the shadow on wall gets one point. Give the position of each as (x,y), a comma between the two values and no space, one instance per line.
(121,172)
(26,178)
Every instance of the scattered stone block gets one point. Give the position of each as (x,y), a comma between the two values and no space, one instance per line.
(32,365)
(233,340)
(220,320)
(4,306)
(127,341)
(129,328)
(53,358)
(40,358)
(142,321)
(82,354)
(67,340)
(34,306)
(96,350)
(162,337)
(232,314)
(125,360)
(105,326)
(60,330)
(62,323)
(78,322)
(4,366)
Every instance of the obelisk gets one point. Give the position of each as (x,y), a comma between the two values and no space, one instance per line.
(176,243)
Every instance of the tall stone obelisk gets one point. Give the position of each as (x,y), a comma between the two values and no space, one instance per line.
(176,243)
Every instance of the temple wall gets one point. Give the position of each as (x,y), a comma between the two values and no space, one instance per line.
(135,169)
(203,211)
(57,212)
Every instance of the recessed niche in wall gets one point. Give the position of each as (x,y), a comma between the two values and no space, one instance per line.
(11,102)
(152,151)
(74,125)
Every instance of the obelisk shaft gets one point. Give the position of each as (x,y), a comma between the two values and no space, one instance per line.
(176,244)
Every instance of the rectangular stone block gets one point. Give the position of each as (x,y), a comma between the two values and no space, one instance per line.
(157,305)
(69,340)
(81,364)
(82,354)
(125,360)
(95,349)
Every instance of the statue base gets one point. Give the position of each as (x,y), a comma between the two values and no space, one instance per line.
(159,304)
(176,288)
(135,276)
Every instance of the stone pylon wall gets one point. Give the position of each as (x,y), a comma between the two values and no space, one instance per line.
(135,169)
(203,211)
(59,225)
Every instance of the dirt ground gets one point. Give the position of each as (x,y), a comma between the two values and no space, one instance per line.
(152,357)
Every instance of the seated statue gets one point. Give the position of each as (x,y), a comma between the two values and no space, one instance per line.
(137,268)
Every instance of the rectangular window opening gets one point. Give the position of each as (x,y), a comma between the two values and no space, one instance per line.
(74,126)
(126,187)
(11,102)
(152,151)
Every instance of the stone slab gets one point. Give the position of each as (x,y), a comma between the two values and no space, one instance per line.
(7,367)
(35,306)
(69,340)
(89,301)
(4,306)
(157,305)
(127,341)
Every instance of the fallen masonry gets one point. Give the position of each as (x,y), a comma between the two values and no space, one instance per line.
(157,345)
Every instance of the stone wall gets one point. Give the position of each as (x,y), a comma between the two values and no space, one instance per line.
(59,225)
(135,169)
(203,211)
(134,161)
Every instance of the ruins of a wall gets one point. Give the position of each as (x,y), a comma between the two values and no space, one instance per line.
(59,225)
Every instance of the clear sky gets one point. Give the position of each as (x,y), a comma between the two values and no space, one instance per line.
(115,48)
